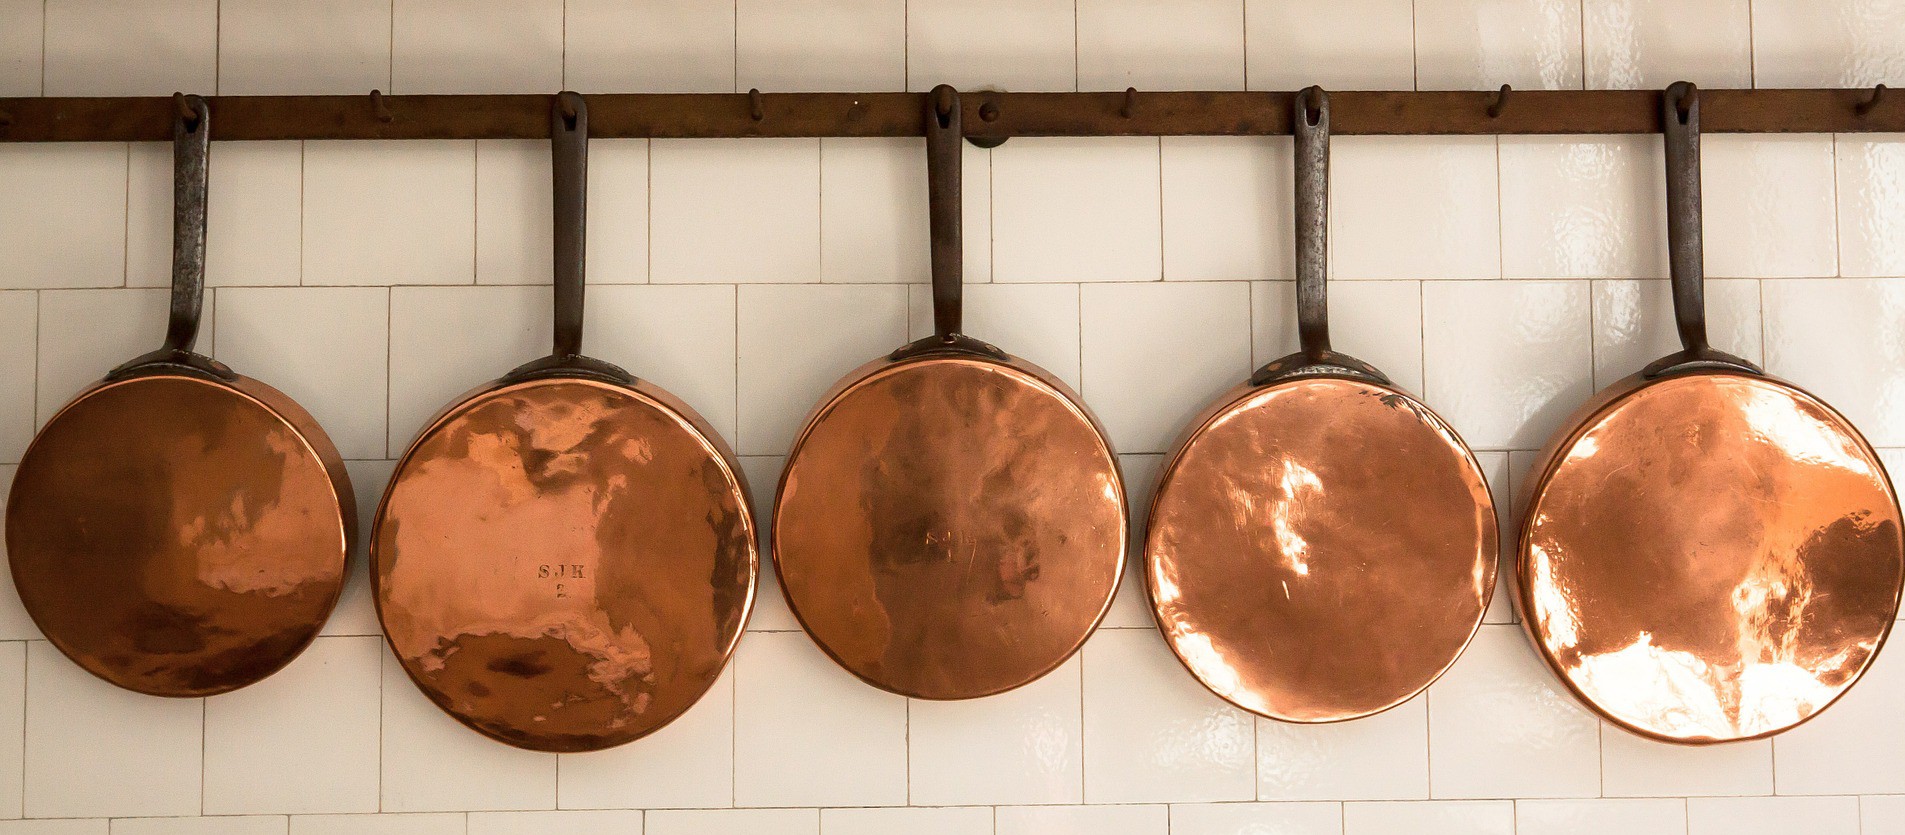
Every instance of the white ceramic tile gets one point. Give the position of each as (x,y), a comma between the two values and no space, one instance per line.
(1479,44)
(1840,341)
(1770,206)
(1188,45)
(820,45)
(1501,469)
(556,823)
(1019,747)
(1131,606)
(1662,816)
(1038,322)
(476,46)
(873,210)
(409,824)
(13,721)
(1871,199)
(1883,815)
(86,333)
(951,821)
(131,47)
(228,825)
(1141,375)
(1583,209)
(807,733)
(1634,324)
(253,215)
(1257,819)
(1415,207)
(389,212)
(1077,209)
(55,827)
(793,346)
(19,345)
(1500,726)
(514,214)
(680,338)
(1773,815)
(63,215)
(1083,820)
(301,48)
(82,734)
(492,329)
(649,46)
(355,614)
(1350,45)
(1857,746)
(1378,322)
(1632,766)
(1018,45)
(326,347)
(1227,213)
(14,623)
(303,740)
(148,232)
(1506,361)
(688,763)
(1430,817)
(735,210)
(770,613)
(1635,44)
(1802,43)
(433,763)
(1382,757)
(20,47)
(1152,733)
(734,822)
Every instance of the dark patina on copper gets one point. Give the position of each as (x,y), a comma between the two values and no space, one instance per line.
(951,523)
(178,529)
(1321,546)
(565,557)
(1707,553)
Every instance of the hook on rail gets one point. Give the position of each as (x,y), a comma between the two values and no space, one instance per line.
(755,109)
(1498,101)
(1683,99)
(187,115)
(1871,101)
(1130,102)
(379,107)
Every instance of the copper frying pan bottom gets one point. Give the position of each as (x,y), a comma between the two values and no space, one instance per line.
(1710,557)
(950,527)
(563,564)
(179,536)
(1320,549)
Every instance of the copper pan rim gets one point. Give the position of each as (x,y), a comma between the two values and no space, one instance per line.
(662,401)
(883,366)
(311,439)
(1586,418)
(1224,405)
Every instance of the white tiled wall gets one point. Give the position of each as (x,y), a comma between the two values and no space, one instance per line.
(1504,280)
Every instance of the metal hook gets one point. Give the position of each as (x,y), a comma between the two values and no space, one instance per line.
(1312,105)
(379,107)
(1498,101)
(566,106)
(754,107)
(1130,102)
(1683,105)
(186,113)
(945,104)
(1870,102)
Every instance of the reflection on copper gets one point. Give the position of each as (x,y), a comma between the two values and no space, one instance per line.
(565,564)
(950,527)
(1715,556)
(1320,548)
(180,536)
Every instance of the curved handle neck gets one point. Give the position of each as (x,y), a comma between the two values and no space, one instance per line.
(569,164)
(191,157)
(1310,119)
(1680,121)
(943,196)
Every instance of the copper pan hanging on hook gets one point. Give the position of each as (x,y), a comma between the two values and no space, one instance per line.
(951,522)
(565,557)
(1322,545)
(178,529)
(1707,553)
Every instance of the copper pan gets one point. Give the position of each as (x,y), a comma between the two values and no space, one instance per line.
(178,529)
(1707,553)
(1321,546)
(951,523)
(565,559)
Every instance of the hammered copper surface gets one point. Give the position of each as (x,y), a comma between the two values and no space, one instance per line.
(1710,557)
(178,536)
(950,528)
(1321,549)
(564,564)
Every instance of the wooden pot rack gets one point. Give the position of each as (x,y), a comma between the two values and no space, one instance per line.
(989,117)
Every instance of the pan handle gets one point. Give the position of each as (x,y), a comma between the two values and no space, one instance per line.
(1310,124)
(944,179)
(1680,131)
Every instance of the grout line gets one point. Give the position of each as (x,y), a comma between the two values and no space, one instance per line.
(390,54)
(1752,47)
(562,73)
(1415,50)
(218,36)
(43,50)
(125,238)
